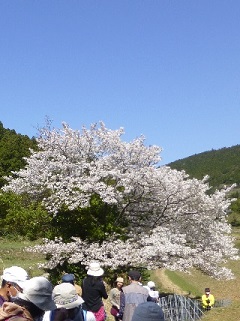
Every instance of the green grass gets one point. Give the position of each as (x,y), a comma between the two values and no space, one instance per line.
(181,282)
(12,253)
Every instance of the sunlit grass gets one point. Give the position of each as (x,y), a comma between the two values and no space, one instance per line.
(12,253)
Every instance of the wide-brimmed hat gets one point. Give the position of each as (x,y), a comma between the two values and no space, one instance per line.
(65,296)
(38,290)
(148,311)
(95,269)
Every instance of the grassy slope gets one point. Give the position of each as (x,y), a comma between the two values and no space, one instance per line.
(195,283)
(12,253)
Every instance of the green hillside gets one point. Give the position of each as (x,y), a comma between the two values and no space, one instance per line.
(13,147)
(222,165)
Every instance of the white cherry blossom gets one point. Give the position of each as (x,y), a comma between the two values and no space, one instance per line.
(172,221)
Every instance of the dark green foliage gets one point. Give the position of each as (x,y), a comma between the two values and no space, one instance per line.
(234,217)
(20,217)
(13,147)
(93,223)
(222,165)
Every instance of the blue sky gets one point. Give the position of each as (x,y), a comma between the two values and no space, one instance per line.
(167,69)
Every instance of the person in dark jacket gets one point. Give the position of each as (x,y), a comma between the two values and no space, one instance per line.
(93,291)
(148,311)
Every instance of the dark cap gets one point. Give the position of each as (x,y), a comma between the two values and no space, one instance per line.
(207,290)
(148,311)
(68,278)
(134,275)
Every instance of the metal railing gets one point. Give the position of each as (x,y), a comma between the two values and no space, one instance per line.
(180,308)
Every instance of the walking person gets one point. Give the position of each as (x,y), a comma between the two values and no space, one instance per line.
(153,293)
(114,298)
(69,305)
(94,291)
(132,296)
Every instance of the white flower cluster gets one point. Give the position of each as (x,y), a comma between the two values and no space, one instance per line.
(172,220)
(159,249)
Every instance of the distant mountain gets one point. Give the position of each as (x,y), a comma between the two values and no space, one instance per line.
(222,165)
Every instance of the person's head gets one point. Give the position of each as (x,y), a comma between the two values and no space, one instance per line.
(37,296)
(148,311)
(134,275)
(13,279)
(119,282)
(95,270)
(68,278)
(65,296)
(207,291)
(151,285)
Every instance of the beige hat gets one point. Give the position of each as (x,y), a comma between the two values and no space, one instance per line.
(65,296)
(120,280)
(38,290)
(95,269)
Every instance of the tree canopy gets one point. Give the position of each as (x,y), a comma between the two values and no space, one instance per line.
(13,148)
(149,215)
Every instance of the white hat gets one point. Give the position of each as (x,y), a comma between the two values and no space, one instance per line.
(120,280)
(151,284)
(65,296)
(38,290)
(15,274)
(95,269)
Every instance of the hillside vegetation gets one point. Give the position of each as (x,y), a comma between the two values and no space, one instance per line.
(222,165)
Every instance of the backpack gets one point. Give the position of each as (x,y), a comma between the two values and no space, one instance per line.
(80,314)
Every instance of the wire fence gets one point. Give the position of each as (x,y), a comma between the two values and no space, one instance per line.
(180,308)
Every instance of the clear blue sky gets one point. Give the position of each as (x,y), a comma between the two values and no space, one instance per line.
(167,69)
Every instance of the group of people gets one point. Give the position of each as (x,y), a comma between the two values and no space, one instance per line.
(135,302)
(35,299)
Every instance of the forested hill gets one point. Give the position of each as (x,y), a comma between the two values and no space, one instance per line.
(13,147)
(222,165)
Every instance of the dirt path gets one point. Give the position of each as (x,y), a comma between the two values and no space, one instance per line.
(166,283)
